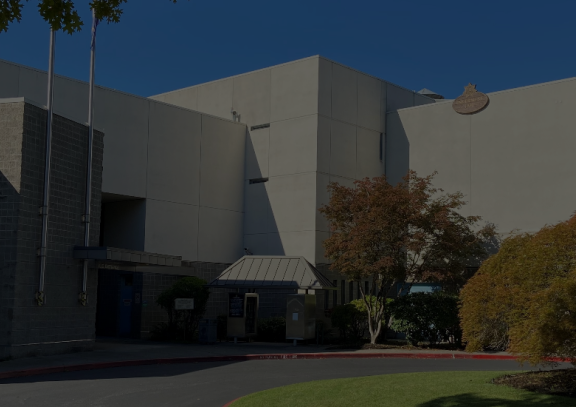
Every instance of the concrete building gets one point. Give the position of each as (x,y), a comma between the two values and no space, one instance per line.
(194,176)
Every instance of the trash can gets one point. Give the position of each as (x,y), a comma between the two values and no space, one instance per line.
(208,331)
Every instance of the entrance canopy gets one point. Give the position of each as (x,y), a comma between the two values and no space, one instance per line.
(272,272)
(114,258)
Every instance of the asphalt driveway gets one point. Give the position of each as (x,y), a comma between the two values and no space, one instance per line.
(210,384)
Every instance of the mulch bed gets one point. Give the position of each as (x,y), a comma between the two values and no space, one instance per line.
(557,382)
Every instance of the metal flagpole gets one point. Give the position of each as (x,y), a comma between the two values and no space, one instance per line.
(84,294)
(40,297)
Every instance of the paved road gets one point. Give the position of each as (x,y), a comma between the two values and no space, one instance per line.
(204,384)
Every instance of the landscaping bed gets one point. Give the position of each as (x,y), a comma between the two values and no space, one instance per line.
(557,382)
(398,345)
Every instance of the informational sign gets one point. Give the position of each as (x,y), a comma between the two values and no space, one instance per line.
(471,101)
(183,303)
(235,305)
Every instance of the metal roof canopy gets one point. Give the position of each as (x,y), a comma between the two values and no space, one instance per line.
(272,272)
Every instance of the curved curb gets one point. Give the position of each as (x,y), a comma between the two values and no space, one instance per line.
(230,402)
(243,358)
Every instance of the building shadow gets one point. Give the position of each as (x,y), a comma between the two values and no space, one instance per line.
(476,400)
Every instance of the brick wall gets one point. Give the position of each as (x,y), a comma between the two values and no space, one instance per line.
(62,324)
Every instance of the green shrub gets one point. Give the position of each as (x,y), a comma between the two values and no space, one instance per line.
(182,320)
(272,329)
(429,317)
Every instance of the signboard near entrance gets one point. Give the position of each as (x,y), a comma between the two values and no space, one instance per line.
(183,303)
(235,305)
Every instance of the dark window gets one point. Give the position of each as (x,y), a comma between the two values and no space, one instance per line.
(343,292)
(335,294)
(358,293)
(351,290)
(257,180)
(326,299)
(366,288)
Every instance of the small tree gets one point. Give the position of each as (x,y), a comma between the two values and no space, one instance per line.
(523,299)
(407,232)
(187,287)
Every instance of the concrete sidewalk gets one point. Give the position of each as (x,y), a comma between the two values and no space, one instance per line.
(116,351)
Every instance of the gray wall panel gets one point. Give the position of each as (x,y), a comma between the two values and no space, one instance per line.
(222,164)
(344,94)
(172,228)
(124,121)
(9,78)
(220,235)
(294,89)
(325,87)
(370,106)
(216,98)
(174,154)
(368,162)
(257,153)
(252,97)
(343,149)
(398,98)
(187,98)
(293,145)
(293,201)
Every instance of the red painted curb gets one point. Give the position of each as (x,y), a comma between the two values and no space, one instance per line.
(242,358)
(230,402)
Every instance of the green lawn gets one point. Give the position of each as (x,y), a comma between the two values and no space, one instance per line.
(436,389)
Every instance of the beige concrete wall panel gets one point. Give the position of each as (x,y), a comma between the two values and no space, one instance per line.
(172,228)
(368,163)
(344,94)
(215,98)
(258,212)
(397,149)
(420,100)
(257,153)
(325,87)
(32,85)
(323,135)
(398,98)
(293,201)
(174,154)
(222,164)
(440,141)
(294,90)
(347,182)
(220,236)
(265,244)
(343,149)
(252,97)
(322,198)
(124,121)
(71,99)
(293,146)
(523,149)
(9,79)
(370,108)
(187,98)
(301,243)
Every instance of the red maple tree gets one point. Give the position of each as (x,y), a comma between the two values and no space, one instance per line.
(405,233)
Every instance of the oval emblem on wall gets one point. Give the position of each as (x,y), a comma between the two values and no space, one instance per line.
(471,101)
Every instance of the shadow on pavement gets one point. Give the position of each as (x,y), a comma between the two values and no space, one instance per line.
(122,372)
(474,400)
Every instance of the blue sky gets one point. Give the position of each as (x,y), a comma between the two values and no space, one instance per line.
(442,45)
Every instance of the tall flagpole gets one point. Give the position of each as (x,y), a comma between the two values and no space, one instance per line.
(40,298)
(84,294)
